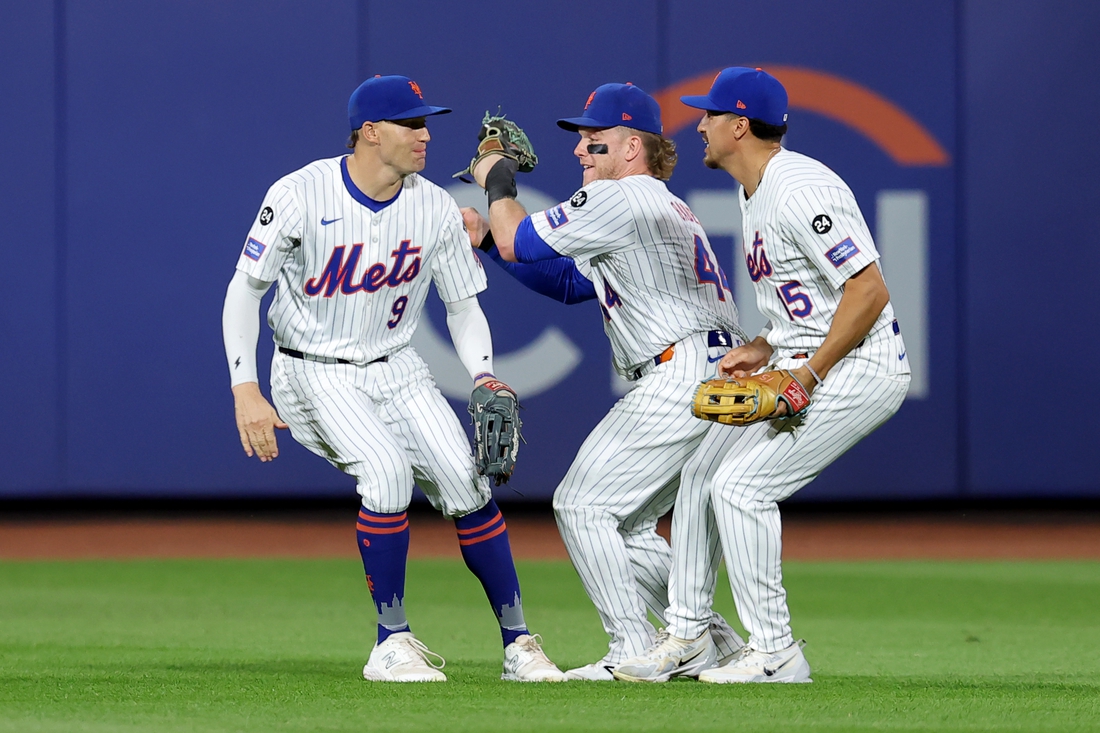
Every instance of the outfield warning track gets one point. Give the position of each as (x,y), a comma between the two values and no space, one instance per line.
(536,538)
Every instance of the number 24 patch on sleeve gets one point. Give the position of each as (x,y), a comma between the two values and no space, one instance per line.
(843,252)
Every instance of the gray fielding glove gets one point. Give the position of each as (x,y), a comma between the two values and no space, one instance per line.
(494,410)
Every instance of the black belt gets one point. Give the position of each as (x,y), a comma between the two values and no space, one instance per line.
(326,359)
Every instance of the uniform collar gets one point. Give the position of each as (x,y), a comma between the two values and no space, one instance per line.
(361,197)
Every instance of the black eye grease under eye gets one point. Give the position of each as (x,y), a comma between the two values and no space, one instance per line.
(597,149)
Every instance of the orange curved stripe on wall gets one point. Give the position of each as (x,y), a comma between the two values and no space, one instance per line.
(875,117)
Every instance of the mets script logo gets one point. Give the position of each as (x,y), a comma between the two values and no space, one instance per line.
(339,273)
(757,260)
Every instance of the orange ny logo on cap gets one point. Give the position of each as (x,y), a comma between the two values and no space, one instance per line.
(590,98)
(416,89)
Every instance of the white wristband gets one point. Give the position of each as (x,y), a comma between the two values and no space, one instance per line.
(819,379)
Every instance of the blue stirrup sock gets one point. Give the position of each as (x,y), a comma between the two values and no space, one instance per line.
(483,537)
(383,541)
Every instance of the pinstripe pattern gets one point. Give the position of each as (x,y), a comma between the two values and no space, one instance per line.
(746,471)
(641,247)
(636,238)
(386,424)
(624,478)
(297,247)
(778,219)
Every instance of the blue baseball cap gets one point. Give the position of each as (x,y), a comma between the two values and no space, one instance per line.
(388,98)
(612,105)
(752,93)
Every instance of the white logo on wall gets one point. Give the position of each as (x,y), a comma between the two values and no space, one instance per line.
(535,368)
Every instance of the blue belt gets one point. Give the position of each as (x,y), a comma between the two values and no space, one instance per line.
(714,339)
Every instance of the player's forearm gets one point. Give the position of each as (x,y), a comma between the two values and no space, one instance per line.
(505,216)
(241,326)
(558,278)
(471,336)
(865,296)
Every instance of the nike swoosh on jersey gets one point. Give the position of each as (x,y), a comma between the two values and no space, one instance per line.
(901,356)
(715,358)
(325,222)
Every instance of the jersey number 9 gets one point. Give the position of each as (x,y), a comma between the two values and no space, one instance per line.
(398,311)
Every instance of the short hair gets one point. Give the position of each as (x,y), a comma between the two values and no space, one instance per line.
(660,154)
(764,131)
(353,139)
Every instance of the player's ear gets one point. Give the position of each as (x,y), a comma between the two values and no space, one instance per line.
(740,127)
(368,132)
(634,147)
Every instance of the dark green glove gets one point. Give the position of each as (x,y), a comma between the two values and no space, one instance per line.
(499,136)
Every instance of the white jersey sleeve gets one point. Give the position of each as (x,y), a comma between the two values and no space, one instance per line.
(596,220)
(275,233)
(456,270)
(827,225)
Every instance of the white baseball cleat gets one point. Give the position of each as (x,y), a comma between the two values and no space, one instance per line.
(403,658)
(525,661)
(788,665)
(670,656)
(729,644)
(596,672)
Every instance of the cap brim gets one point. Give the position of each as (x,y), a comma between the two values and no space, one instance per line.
(703,102)
(575,123)
(424,111)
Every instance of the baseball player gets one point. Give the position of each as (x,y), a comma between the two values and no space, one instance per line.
(814,270)
(627,242)
(354,242)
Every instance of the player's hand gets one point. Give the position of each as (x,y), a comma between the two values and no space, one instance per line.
(256,422)
(745,360)
(476,226)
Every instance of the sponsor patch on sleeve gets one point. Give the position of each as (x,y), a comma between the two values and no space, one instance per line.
(556,216)
(843,252)
(253,249)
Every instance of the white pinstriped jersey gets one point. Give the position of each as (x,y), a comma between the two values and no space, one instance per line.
(353,281)
(804,236)
(655,273)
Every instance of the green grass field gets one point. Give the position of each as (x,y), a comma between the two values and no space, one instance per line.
(278,646)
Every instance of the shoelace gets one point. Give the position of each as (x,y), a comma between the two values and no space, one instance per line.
(425,653)
(533,645)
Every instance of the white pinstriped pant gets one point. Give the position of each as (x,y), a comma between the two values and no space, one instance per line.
(745,471)
(387,425)
(624,478)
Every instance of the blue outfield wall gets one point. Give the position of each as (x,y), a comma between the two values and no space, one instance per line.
(147,134)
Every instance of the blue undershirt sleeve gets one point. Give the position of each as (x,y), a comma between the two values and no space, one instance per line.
(557,278)
(529,246)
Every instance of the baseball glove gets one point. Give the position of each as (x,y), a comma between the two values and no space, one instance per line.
(495,414)
(749,399)
(499,136)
